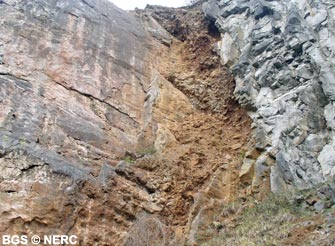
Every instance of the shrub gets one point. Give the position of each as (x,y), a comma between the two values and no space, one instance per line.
(148,230)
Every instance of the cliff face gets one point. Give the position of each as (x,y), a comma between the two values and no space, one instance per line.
(111,120)
(94,135)
(282,56)
(75,79)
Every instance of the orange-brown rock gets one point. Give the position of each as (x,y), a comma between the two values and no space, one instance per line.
(96,130)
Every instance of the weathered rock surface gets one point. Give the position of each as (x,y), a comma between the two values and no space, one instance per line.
(106,115)
(282,56)
(213,139)
(74,78)
(93,133)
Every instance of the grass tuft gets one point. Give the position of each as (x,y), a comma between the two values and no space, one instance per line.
(256,223)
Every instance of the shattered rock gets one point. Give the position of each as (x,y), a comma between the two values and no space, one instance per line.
(282,56)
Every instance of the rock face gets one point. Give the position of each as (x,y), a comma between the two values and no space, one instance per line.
(74,81)
(106,117)
(282,56)
(92,132)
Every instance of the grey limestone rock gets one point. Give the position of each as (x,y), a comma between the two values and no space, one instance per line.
(327,160)
(282,54)
(330,115)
